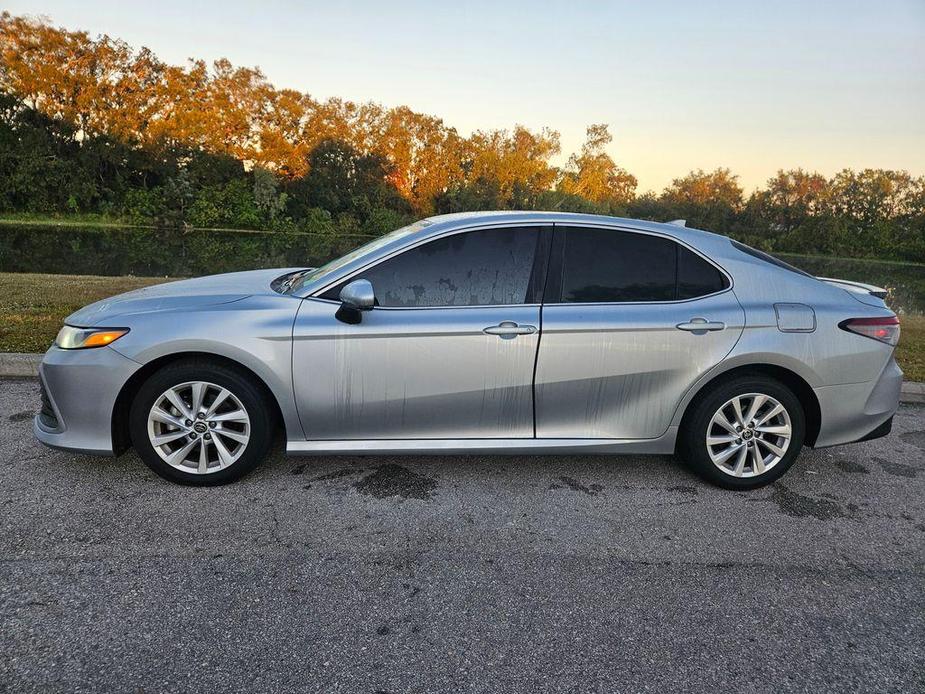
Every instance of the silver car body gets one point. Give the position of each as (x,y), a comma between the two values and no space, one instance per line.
(595,377)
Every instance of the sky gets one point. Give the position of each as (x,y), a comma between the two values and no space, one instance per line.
(750,85)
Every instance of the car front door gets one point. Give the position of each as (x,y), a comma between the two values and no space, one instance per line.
(448,351)
(631,321)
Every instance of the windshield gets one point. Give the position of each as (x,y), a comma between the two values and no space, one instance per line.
(374,245)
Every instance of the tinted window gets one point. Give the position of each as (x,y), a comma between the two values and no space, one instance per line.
(768,258)
(600,265)
(696,277)
(476,268)
(604,265)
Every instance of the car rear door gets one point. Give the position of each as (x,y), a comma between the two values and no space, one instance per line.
(447,353)
(631,320)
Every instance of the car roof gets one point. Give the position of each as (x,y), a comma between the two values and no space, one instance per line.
(464,219)
(705,240)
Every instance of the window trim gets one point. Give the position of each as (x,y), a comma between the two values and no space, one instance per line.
(554,272)
(541,263)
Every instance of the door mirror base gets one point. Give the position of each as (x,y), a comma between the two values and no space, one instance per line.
(348,314)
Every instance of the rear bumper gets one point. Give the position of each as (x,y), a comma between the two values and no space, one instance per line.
(856,411)
(79,391)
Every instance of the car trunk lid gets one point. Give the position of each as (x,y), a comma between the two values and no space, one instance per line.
(865,293)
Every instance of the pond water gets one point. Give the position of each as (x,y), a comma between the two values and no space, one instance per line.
(905,282)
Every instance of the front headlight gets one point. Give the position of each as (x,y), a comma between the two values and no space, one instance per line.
(70,337)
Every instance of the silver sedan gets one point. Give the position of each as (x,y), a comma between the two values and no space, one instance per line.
(526,333)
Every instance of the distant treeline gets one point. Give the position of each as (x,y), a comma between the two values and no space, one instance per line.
(93,126)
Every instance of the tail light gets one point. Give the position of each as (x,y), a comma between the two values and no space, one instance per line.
(882,329)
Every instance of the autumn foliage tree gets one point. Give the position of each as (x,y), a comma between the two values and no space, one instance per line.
(593,175)
(93,125)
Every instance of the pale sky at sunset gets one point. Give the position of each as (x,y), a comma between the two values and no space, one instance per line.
(755,86)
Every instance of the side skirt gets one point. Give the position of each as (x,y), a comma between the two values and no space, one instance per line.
(663,445)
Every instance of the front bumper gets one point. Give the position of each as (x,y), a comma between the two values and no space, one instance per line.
(80,388)
(852,412)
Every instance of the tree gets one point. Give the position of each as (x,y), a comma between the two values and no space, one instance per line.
(342,180)
(873,194)
(424,155)
(91,124)
(268,200)
(789,199)
(516,163)
(707,200)
(593,174)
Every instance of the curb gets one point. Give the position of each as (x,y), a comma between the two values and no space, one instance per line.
(912,392)
(18,365)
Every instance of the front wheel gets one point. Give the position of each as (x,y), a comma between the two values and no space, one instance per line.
(744,434)
(200,423)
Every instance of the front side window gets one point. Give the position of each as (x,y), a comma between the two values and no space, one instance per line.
(606,266)
(491,267)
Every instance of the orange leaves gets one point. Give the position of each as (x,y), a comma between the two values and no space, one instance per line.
(594,175)
(518,158)
(719,187)
(105,87)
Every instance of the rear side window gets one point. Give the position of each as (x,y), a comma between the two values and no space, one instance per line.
(599,265)
(604,266)
(492,267)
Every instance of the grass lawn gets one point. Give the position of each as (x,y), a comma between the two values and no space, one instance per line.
(70,219)
(911,351)
(33,307)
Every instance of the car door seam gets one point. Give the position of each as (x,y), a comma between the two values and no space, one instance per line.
(551,231)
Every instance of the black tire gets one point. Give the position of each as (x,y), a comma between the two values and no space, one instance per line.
(692,445)
(250,395)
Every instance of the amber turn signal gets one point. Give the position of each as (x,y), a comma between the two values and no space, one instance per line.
(71,337)
(103,339)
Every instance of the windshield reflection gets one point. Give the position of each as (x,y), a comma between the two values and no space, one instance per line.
(374,245)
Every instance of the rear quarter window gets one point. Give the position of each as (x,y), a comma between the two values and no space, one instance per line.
(697,277)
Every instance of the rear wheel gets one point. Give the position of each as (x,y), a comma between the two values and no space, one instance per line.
(200,423)
(744,434)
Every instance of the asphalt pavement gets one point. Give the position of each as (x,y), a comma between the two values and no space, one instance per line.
(461,574)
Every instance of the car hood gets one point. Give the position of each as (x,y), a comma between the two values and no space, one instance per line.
(182,295)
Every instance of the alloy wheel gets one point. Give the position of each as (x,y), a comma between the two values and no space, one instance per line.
(749,435)
(198,427)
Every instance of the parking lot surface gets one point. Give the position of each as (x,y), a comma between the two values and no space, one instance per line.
(469,574)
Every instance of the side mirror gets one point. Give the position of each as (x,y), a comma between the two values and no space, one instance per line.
(356,297)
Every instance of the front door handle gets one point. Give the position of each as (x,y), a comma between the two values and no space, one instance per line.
(509,329)
(697,325)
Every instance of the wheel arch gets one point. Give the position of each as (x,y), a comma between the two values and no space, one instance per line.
(794,381)
(121,440)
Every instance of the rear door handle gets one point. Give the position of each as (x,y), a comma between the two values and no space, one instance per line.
(509,329)
(701,324)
